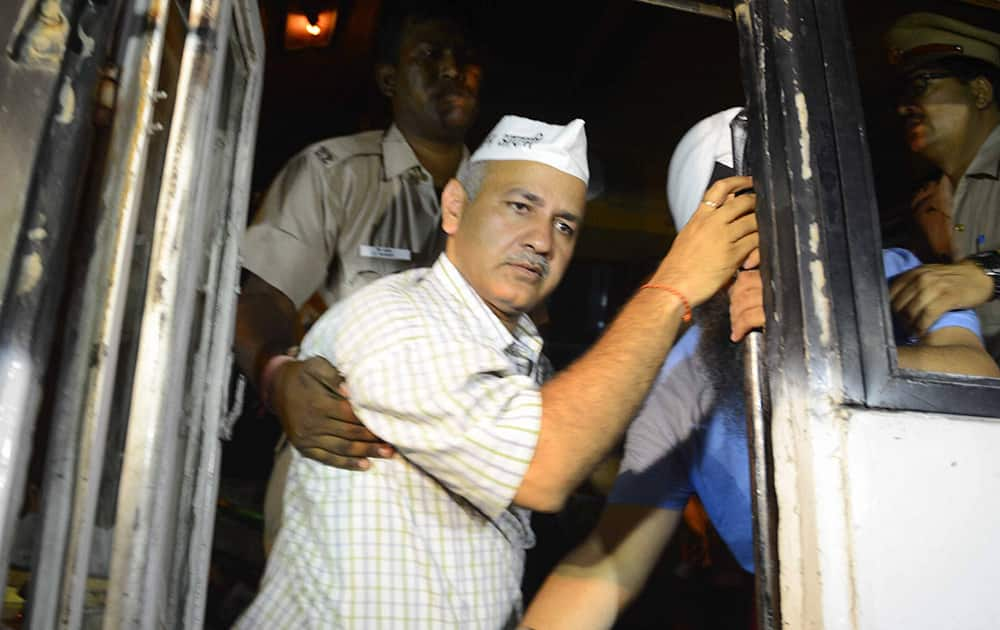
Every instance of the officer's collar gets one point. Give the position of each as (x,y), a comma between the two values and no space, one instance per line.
(398,157)
(987,160)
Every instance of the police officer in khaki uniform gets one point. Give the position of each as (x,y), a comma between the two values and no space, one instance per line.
(952,118)
(342,213)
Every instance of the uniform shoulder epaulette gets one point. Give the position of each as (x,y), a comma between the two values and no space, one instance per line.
(333,150)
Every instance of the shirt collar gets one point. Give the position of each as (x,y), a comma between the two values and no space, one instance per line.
(398,156)
(987,160)
(524,342)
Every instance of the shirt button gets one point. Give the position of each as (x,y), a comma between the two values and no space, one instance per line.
(959,227)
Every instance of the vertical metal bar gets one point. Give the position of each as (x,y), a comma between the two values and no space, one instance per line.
(248,34)
(149,492)
(77,446)
(755,388)
(765,523)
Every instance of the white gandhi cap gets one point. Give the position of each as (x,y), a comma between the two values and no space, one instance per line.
(563,147)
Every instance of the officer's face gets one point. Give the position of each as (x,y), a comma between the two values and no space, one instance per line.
(936,111)
(435,86)
(514,241)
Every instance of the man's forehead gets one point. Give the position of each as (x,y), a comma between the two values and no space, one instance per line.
(530,178)
(925,69)
(436,30)
(506,170)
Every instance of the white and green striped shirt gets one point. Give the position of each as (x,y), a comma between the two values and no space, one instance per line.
(429,538)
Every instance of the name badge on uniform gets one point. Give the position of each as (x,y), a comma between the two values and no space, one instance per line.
(385,253)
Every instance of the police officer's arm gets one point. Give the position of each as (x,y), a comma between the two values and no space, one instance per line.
(598,579)
(306,396)
(286,252)
(952,349)
(924,294)
(586,408)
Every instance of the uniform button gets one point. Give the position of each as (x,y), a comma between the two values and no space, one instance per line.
(959,227)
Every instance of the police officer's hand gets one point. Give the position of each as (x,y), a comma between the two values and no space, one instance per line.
(922,295)
(310,399)
(714,243)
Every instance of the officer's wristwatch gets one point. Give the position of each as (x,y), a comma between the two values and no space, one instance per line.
(989,262)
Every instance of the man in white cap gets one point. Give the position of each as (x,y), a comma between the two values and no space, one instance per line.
(690,435)
(951,109)
(445,365)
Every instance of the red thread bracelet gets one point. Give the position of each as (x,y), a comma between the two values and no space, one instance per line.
(680,296)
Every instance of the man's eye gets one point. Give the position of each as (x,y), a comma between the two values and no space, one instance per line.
(518,206)
(565,228)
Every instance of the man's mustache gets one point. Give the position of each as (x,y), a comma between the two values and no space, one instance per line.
(537,262)
(452,88)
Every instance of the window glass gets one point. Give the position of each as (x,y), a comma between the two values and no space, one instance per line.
(928,81)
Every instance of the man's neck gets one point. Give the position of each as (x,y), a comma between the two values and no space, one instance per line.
(441,159)
(957,162)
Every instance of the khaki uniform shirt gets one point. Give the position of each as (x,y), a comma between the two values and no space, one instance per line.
(344,212)
(977,212)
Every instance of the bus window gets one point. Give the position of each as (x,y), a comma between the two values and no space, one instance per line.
(912,72)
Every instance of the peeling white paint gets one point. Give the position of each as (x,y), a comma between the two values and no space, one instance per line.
(31,273)
(800,105)
(38,234)
(47,40)
(818,272)
(742,13)
(785,34)
(86,42)
(67,103)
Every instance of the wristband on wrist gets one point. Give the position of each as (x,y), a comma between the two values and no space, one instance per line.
(270,369)
(669,289)
(989,263)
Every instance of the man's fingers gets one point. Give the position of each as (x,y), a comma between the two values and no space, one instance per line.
(747,224)
(746,321)
(901,293)
(337,461)
(746,304)
(344,448)
(321,370)
(926,318)
(348,430)
(736,208)
(925,309)
(745,245)
(720,190)
(752,261)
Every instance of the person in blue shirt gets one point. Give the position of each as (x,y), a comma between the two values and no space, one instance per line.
(690,435)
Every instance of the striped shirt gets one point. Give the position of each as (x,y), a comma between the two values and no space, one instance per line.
(429,538)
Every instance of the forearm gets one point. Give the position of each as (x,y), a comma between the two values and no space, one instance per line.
(266,325)
(954,359)
(586,408)
(581,593)
(598,579)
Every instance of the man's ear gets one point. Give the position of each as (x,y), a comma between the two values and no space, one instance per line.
(453,203)
(385,78)
(982,91)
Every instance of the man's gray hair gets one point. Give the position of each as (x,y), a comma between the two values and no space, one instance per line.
(471,175)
